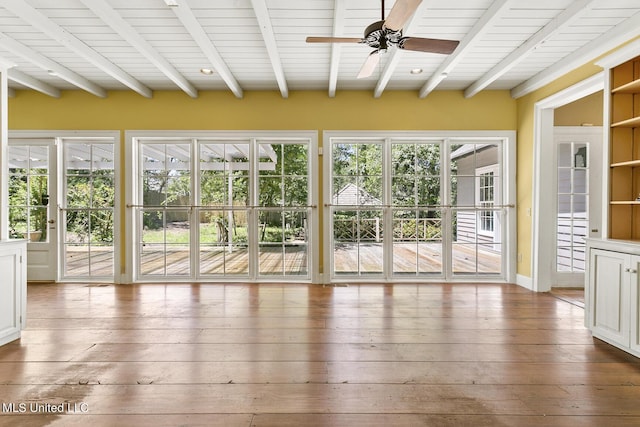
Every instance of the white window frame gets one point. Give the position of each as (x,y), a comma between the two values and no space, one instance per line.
(59,135)
(507,198)
(132,192)
(495,171)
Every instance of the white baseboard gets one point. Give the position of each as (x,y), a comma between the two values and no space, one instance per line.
(524,281)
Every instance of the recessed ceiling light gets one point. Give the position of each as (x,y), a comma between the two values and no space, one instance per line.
(171,3)
(416,70)
(206,71)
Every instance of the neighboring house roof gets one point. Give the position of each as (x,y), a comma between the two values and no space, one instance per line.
(467,149)
(351,194)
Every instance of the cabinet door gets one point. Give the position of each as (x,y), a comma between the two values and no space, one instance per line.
(609,289)
(634,276)
(10,295)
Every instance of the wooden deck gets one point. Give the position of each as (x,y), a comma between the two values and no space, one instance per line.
(418,259)
(412,258)
(212,355)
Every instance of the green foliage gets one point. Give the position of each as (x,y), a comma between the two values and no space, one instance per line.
(90,201)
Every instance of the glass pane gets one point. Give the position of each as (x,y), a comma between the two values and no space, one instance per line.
(464,258)
(76,260)
(405,237)
(38,160)
(103,190)
(345,191)
(179,189)
(295,159)
(102,227)
(152,259)
(77,226)
(404,191)
(489,258)
(579,203)
(17,190)
(564,180)
(295,191)
(213,191)
(464,192)
(78,190)
(39,190)
(428,160)
(403,159)
(38,224)
(580,181)
(580,155)
(428,191)
(270,190)
(101,262)
(564,155)
(18,222)
(564,203)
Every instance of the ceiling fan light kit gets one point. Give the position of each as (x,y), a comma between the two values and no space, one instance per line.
(382,34)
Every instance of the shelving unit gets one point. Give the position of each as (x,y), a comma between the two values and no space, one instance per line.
(624,154)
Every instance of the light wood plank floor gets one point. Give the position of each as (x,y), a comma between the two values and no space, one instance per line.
(298,355)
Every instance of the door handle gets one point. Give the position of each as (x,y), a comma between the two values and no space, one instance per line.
(594,230)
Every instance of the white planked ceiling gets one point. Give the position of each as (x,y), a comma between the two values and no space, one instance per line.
(145,45)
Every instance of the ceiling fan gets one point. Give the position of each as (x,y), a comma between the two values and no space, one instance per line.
(388,32)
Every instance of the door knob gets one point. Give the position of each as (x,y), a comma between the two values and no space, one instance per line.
(52,221)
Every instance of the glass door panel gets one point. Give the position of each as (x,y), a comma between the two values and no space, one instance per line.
(283,209)
(223,227)
(88,214)
(28,192)
(573,212)
(476,198)
(416,199)
(357,208)
(33,204)
(165,219)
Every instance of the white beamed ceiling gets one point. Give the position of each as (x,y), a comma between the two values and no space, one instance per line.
(252,58)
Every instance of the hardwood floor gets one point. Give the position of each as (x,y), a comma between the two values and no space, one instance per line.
(293,355)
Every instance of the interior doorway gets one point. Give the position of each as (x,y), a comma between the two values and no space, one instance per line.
(545,203)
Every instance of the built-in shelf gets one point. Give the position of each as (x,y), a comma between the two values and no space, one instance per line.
(624,150)
(629,163)
(629,123)
(631,87)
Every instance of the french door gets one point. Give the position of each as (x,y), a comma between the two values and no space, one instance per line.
(33,203)
(578,204)
(62,198)
(420,207)
(208,207)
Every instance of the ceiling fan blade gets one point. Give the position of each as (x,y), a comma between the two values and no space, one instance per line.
(429,45)
(369,65)
(333,40)
(400,13)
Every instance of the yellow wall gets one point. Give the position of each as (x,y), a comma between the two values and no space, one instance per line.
(524,166)
(355,110)
(303,110)
(583,112)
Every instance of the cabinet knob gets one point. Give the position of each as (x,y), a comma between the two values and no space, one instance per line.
(633,270)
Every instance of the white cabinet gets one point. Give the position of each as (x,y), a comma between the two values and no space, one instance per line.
(13,289)
(612,297)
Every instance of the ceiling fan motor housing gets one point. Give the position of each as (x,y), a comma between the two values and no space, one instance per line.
(379,37)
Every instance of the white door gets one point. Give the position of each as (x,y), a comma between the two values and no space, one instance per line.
(33,204)
(578,178)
